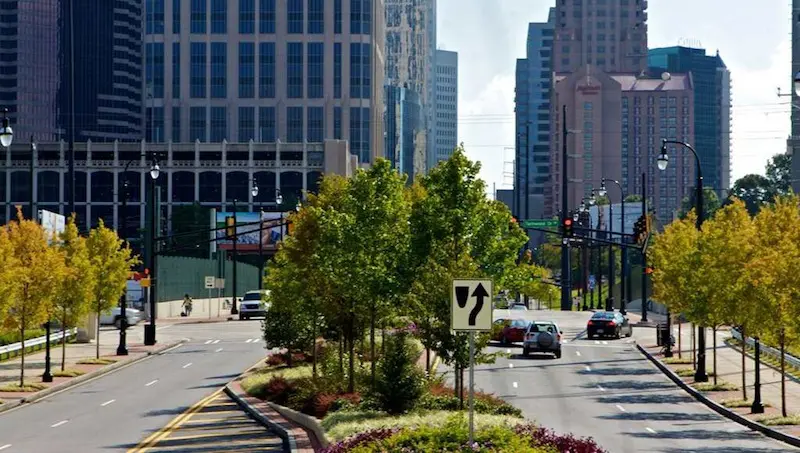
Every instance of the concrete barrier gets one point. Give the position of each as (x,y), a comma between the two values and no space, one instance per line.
(201,308)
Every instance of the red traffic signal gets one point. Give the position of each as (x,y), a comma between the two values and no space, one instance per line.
(567,228)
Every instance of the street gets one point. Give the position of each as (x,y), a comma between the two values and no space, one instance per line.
(607,390)
(117,411)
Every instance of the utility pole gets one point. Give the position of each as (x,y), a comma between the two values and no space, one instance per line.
(566,284)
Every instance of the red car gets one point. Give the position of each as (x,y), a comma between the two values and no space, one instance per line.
(509,330)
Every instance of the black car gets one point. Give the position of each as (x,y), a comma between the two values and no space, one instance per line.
(609,324)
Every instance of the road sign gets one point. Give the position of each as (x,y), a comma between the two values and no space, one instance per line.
(539,223)
(471,305)
(219,283)
(592,282)
(145,282)
(210,282)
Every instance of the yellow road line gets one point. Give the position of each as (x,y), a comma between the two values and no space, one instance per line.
(230,437)
(217,420)
(153,439)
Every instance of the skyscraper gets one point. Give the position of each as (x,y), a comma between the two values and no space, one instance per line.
(290,70)
(532,112)
(445,127)
(411,59)
(404,128)
(712,108)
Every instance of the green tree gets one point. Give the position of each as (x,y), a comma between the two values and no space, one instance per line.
(36,279)
(74,298)
(9,266)
(779,173)
(754,190)
(288,323)
(711,203)
(632,198)
(112,262)
(400,385)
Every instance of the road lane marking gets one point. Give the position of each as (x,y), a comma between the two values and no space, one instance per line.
(508,351)
(164,327)
(187,365)
(605,342)
(588,368)
(650,430)
(249,340)
(514,384)
(107,403)
(151,383)
(56,425)
(578,353)
(3,447)
(596,342)
(621,408)
(218,350)
(215,342)
(601,388)
(209,341)
(511,365)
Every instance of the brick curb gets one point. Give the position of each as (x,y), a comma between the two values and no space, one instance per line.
(82,379)
(718,408)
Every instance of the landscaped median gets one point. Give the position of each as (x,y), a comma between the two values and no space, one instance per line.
(402,411)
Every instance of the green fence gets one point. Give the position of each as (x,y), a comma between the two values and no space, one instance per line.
(178,275)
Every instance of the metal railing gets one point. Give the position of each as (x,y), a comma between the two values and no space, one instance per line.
(776,353)
(55,337)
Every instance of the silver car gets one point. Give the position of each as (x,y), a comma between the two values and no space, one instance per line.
(114,316)
(542,336)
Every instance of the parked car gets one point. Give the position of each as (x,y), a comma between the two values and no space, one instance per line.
(253,304)
(114,316)
(509,330)
(542,336)
(519,306)
(609,324)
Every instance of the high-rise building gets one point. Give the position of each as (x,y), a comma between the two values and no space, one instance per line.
(532,118)
(445,126)
(411,59)
(106,61)
(794,140)
(404,128)
(611,35)
(292,71)
(712,108)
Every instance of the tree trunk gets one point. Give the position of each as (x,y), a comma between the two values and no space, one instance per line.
(351,379)
(63,339)
(714,345)
(428,361)
(341,354)
(314,347)
(372,344)
(783,372)
(694,355)
(22,339)
(289,357)
(456,385)
(461,388)
(680,354)
(97,340)
(744,368)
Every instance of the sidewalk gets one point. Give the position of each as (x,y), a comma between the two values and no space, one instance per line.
(75,353)
(729,369)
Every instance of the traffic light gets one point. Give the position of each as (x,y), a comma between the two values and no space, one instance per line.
(567,228)
(640,230)
(230,227)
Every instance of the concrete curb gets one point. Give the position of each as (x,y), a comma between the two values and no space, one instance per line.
(306,421)
(289,442)
(82,379)
(722,410)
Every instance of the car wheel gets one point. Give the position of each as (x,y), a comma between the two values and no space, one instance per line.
(558,354)
(590,335)
(503,340)
(525,352)
(118,323)
(617,334)
(241,317)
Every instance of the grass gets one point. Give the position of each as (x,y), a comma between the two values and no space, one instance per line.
(340,425)
(68,373)
(28,387)
(12,336)
(777,420)
(731,404)
(100,361)
(721,386)
(261,376)
(677,361)
(689,372)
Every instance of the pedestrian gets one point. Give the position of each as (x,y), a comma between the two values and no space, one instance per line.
(187,305)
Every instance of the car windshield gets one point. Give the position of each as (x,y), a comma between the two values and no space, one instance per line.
(604,315)
(519,323)
(519,307)
(252,296)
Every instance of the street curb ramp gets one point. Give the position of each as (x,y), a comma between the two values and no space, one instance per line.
(78,380)
(722,410)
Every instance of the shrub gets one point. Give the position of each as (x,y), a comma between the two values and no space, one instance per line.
(442,397)
(399,384)
(538,436)
(360,439)
(279,390)
(276,360)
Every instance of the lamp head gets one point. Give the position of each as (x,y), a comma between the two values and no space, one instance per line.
(254,190)
(279,199)
(797,83)
(663,158)
(602,191)
(155,170)
(6,133)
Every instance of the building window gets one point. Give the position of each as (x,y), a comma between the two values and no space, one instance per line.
(176,16)
(337,70)
(266,70)
(360,16)
(294,70)
(294,16)
(155,70)
(198,16)
(316,127)
(219,16)
(155,124)
(587,106)
(247,69)
(294,124)
(315,69)
(176,124)
(316,17)
(360,71)
(219,124)
(155,16)
(337,16)
(176,70)
(198,75)
(247,17)
(337,123)
(198,125)
(266,124)
(247,124)
(359,133)
(266,16)
(219,69)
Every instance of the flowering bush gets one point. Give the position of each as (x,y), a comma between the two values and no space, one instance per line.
(360,439)
(539,436)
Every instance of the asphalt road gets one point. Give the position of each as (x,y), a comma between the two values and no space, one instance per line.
(117,411)
(607,390)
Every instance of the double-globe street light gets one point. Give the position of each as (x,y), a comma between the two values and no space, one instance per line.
(624,257)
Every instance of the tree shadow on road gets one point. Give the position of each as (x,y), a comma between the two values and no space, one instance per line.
(162,412)
(620,371)
(633,385)
(700,434)
(732,449)
(651,398)
(663,416)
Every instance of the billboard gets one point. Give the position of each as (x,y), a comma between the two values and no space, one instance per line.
(248,230)
(52,223)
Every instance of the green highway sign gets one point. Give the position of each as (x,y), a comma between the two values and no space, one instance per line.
(539,223)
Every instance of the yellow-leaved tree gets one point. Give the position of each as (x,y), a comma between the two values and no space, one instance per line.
(36,279)
(726,244)
(74,298)
(673,254)
(772,283)
(9,263)
(112,261)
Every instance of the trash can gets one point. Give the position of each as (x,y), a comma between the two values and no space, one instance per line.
(662,334)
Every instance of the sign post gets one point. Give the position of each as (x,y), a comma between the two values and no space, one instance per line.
(471,311)
(210,284)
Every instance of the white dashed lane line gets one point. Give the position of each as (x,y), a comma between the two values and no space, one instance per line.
(187,365)
(602,389)
(218,350)
(249,340)
(514,384)
(151,383)
(56,425)
(650,430)
(511,365)
(107,403)
(209,341)
(621,408)
(3,447)
(215,342)
(578,353)
(588,368)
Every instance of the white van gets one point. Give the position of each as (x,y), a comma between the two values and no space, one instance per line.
(254,304)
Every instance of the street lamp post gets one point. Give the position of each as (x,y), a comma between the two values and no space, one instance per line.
(624,257)
(566,278)
(757,407)
(150,329)
(663,160)
(234,308)
(279,204)
(254,193)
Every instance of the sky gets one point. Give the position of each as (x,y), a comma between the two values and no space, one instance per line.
(753,39)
